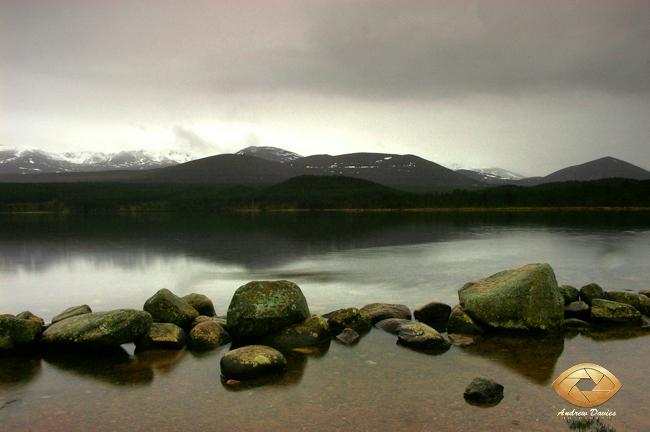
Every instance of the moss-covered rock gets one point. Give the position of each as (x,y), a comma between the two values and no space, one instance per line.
(201,303)
(27,315)
(611,312)
(72,311)
(312,331)
(351,318)
(162,336)
(207,335)
(260,308)
(590,292)
(420,336)
(525,299)
(252,361)
(569,293)
(460,322)
(382,311)
(167,307)
(97,330)
(18,333)
(624,297)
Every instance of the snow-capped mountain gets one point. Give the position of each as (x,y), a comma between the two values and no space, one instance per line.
(270,153)
(490,175)
(25,160)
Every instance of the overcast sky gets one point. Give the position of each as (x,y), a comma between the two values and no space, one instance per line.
(530,86)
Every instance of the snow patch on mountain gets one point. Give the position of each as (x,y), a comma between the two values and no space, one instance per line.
(270,153)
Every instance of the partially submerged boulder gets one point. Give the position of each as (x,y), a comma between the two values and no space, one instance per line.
(167,307)
(351,318)
(98,330)
(207,335)
(420,336)
(435,314)
(348,336)
(312,331)
(18,333)
(391,325)
(382,311)
(591,292)
(72,311)
(524,299)
(162,336)
(260,308)
(201,303)
(615,313)
(252,361)
(460,322)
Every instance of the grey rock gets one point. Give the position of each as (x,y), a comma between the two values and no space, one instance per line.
(348,336)
(460,322)
(391,325)
(167,307)
(524,299)
(590,292)
(312,331)
(260,308)
(252,361)
(207,335)
(72,311)
(569,293)
(484,391)
(577,309)
(433,314)
(615,313)
(16,333)
(201,303)
(382,311)
(351,318)
(162,336)
(420,336)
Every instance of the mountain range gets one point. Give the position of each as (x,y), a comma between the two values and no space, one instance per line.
(270,165)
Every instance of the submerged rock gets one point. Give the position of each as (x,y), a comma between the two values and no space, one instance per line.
(569,293)
(98,330)
(614,313)
(434,314)
(391,325)
(261,308)
(348,336)
(382,311)
(524,299)
(460,322)
(577,309)
(72,311)
(167,307)
(18,333)
(420,336)
(484,391)
(351,318)
(252,361)
(576,324)
(312,331)
(201,303)
(461,339)
(591,292)
(207,335)
(162,336)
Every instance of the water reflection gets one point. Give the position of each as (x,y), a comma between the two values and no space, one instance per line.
(19,370)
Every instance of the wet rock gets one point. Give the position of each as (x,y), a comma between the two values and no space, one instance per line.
(590,292)
(484,391)
(645,292)
(460,322)
(615,313)
(162,336)
(18,333)
(7,316)
(203,318)
(207,335)
(252,361)
(167,307)
(577,309)
(576,324)
(420,336)
(27,315)
(382,311)
(624,297)
(461,339)
(434,314)
(351,318)
(348,336)
(201,303)
(569,293)
(524,299)
(645,322)
(391,325)
(72,311)
(261,308)
(98,330)
(312,331)
(644,305)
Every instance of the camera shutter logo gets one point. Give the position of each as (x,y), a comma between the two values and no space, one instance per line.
(605,385)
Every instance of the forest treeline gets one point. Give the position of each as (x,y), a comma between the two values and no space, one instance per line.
(311,193)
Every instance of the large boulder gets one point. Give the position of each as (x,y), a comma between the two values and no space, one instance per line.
(252,361)
(615,313)
(460,322)
(435,314)
(167,307)
(18,333)
(420,336)
(260,308)
(382,311)
(312,331)
(590,292)
(201,303)
(207,335)
(524,299)
(98,330)
(351,318)
(162,336)
(72,311)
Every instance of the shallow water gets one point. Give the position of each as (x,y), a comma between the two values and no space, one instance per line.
(50,262)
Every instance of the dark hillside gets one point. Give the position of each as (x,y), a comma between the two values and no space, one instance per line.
(607,167)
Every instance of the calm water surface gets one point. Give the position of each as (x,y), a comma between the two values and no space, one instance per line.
(51,262)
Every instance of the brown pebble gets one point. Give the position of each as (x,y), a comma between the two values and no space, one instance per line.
(515,422)
(233,382)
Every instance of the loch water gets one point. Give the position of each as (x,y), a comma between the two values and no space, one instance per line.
(49,262)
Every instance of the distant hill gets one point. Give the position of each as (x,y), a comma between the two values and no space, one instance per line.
(490,175)
(273,154)
(603,168)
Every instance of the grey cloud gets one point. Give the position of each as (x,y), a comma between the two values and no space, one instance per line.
(190,141)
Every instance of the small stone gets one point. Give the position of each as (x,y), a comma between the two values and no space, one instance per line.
(577,309)
(201,303)
(252,361)
(382,311)
(461,340)
(233,383)
(71,312)
(420,336)
(460,322)
(484,391)
(434,314)
(569,293)
(207,335)
(591,292)
(351,318)
(391,325)
(348,336)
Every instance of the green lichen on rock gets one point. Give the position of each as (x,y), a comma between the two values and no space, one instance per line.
(418,335)
(524,299)
(460,322)
(252,361)
(260,308)
(351,318)
(201,303)
(591,292)
(615,313)
(312,331)
(162,336)
(207,335)
(166,307)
